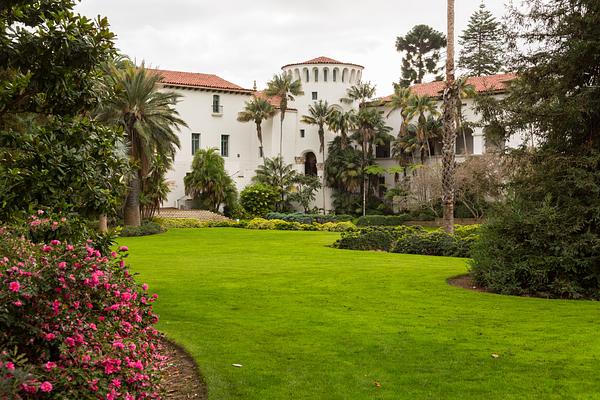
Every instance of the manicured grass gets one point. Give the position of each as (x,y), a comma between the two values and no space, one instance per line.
(310,322)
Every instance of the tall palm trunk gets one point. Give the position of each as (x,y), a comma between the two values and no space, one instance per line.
(131,213)
(322,140)
(364,176)
(260,141)
(449,135)
(103,223)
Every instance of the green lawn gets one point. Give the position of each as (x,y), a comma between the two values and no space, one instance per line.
(311,322)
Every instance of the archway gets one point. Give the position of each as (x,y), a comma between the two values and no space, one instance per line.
(310,164)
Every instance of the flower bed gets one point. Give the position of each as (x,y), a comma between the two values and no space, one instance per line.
(73,323)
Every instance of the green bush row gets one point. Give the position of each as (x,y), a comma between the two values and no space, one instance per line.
(309,218)
(150,228)
(383,220)
(256,223)
(411,240)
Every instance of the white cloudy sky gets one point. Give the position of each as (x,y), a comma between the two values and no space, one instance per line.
(246,40)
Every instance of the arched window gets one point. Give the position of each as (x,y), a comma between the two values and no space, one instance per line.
(345,75)
(297,74)
(325,74)
(335,74)
(306,74)
(310,164)
(316,74)
(358,75)
(352,76)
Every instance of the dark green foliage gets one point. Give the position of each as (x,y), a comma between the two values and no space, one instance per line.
(546,238)
(49,57)
(309,218)
(382,220)
(422,51)
(66,164)
(481,44)
(278,175)
(411,240)
(438,243)
(148,228)
(259,199)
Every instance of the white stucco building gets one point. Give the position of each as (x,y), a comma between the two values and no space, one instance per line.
(210,105)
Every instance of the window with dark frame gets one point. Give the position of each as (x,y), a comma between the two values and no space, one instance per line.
(302,133)
(216,106)
(195,142)
(315,95)
(224,145)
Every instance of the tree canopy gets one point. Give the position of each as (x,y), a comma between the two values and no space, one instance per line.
(481,44)
(422,47)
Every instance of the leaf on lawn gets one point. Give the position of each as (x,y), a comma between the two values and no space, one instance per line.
(377,384)
(494,355)
(237,365)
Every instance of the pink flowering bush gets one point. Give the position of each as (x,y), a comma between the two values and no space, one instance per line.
(74,324)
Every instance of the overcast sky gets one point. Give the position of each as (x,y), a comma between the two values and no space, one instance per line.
(242,41)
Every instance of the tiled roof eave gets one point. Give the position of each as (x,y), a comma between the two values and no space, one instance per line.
(208,88)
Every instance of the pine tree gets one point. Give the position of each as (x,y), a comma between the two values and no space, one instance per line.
(421,45)
(481,44)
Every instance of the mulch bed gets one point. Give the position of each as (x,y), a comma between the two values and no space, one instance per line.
(466,282)
(181,377)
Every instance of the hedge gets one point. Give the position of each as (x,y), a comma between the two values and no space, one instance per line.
(150,228)
(256,223)
(411,240)
(383,220)
(309,218)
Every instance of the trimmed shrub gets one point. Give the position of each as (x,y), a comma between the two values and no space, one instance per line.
(411,240)
(149,228)
(373,238)
(73,323)
(258,199)
(382,220)
(179,222)
(309,218)
(338,227)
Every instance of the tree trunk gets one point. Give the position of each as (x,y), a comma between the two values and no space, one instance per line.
(449,136)
(364,176)
(103,223)
(132,203)
(323,187)
(281,135)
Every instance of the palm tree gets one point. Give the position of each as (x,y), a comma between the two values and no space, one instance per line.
(399,101)
(361,92)
(342,122)
(209,183)
(275,173)
(257,110)
(319,115)
(284,87)
(421,107)
(369,124)
(149,118)
(449,138)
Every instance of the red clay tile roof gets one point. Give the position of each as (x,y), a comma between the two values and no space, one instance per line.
(194,79)
(275,101)
(322,60)
(492,83)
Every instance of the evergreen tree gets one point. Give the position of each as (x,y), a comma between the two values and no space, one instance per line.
(421,47)
(546,238)
(481,44)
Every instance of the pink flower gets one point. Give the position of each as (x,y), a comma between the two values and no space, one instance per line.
(70,341)
(116,383)
(62,265)
(118,345)
(46,248)
(10,366)
(49,366)
(18,303)
(126,296)
(40,212)
(123,248)
(14,286)
(46,387)
(70,247)
(49,336)
(145,287)
(55,242)
(29,388)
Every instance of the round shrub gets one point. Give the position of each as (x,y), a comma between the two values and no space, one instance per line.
(259,199)
(74,324)
(149,228)
(337,227)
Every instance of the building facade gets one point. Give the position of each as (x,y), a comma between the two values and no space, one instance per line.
(210,105)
